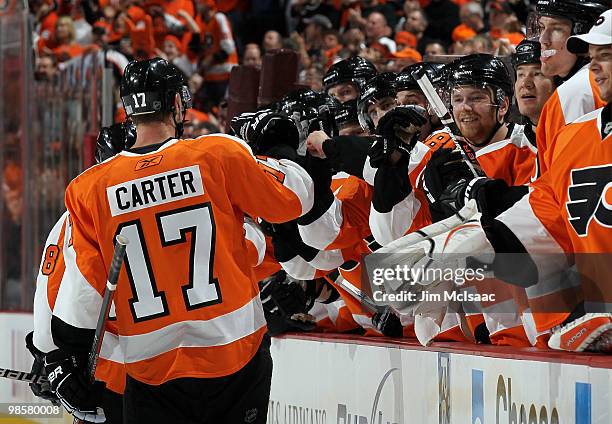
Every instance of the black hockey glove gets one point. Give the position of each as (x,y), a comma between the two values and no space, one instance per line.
(445,178)
(285,305)
(265,130)
(388,323)
(80,397)
(112,140)
(400,129)
(41,390)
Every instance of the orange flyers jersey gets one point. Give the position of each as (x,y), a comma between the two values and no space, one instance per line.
(571,100)
(512,160)
(345,223)
(568,211)
(390,222)
(187,303)
(216,36)
(110,368)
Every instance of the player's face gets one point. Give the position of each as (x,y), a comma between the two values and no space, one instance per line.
(475,113)
(380,108)
(556,59)
(412,97)
(601,67)
(343,92)
(352,129)
(532,90)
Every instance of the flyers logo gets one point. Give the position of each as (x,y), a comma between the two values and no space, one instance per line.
(148,162)
(590,196)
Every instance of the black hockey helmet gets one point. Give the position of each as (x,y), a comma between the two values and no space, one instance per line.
(381,86)
(582,14)
(527,52)
(355,70)
(481,70)
(405,80)
(149,86)
(346,114)
(112,140)
(311,111)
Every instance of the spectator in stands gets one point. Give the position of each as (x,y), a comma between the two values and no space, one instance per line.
(434,48)
(501,17)
(313,77)
(313,33)
(173,52)
(477,44)
(472,22)
(378,31)
(214,44)
(353,41)
(46,67)
(272,41)
(63,45)
(331,46)
(405,39)
(252,56)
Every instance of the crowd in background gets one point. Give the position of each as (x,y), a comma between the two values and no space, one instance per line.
(206,38)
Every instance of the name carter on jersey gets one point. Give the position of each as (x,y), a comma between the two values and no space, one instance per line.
(154,190)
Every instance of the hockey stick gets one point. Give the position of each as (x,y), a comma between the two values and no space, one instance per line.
(109,292)
(368,303)
(446,118)
(22,376)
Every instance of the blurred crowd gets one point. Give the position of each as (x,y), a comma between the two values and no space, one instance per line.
(206,38)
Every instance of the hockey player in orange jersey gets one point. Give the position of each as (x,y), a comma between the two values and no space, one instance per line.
(577,92)
(189,316)
(565,218)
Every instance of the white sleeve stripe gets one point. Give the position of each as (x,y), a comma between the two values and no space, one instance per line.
(326,260)
(78,303)
(392,225)
(323,231)
(576,96)
(299,182)
(534,237)
(256,236)
(43,339)
(298,268)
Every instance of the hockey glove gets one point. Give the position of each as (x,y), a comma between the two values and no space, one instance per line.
(285,305)
(41,390)
(400,129)
(112,140)
(388,323)
(80,397)
(445,179)
(265,129)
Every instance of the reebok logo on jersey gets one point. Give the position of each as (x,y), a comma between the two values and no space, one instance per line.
(157,189)
(587,198)
(148,162)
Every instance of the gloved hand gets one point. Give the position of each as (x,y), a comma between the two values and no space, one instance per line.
(41,390)
(445,178)
(265,129)
(285,305)
(112,140)
(388,323)
(68,382)
(400,129)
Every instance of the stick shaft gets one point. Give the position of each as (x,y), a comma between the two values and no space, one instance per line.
(22,376)
(446,118)
(109,292)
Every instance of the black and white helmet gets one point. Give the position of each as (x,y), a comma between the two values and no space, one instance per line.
(355,70)
(582,13)
(481,70)
(381,86)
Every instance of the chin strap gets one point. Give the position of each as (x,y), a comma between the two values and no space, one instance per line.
(179,127)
